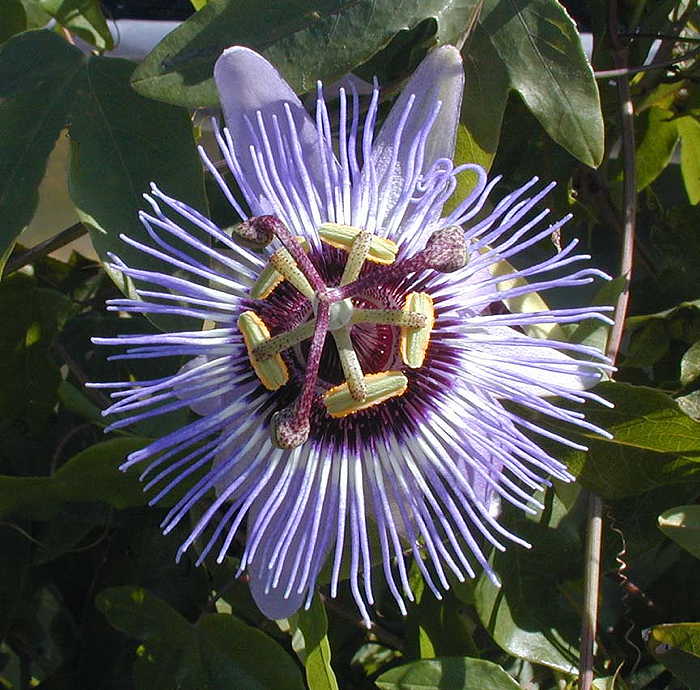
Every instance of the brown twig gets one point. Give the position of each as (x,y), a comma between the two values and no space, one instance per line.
(45,248)
(628,71)
(589,623)
(382,634)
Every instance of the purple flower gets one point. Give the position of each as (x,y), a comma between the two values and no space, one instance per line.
(350,392)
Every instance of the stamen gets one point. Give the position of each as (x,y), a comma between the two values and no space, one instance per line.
(270,277)
(389,317)
(445,251)
(272,372)
(414,341)
(284,341)
(381,250)
(350,363)
(271,224)
(380,387)
(284,263)
(356,257)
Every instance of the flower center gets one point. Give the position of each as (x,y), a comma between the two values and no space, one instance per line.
(338,310)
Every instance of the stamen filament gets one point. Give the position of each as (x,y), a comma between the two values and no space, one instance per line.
(284,341)
(350,363)
(285,264)
(273,225)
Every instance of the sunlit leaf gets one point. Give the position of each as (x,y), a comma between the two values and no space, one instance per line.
(689,130)
(682,524)
(690,404)
(82,17)
(654,443)
(454,673)
(657,137)
(690,364)
(676,647)
(486,89)
(311,627)
(323,39)
(538,46)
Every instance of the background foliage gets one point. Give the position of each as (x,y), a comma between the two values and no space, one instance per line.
(90,596)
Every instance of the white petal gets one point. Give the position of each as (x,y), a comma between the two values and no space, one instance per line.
(248,83)
(439,77)
(308,547)
(520,358)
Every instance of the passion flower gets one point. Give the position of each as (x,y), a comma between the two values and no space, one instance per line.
(363,344)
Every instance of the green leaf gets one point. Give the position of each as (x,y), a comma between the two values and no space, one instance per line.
(218,652)
(13,19)
(654,443)
(682,524)
(313,648)
(538,46)
(690,364)
(306,41)
(437,628)
(91,475)
(82,17)
(645,418)
(593,332)
(529,615)
(37,82)
(31,319)
(690,404)
(647,345)
(78,403)
(37,18)
(683,636)
(138,613)
(454,673)
(681,660)
(689,130)
(120,142)
(657,136)
(486,89)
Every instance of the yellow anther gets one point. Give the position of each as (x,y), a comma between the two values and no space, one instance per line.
(414,341)
(381,250)
(379,388)
(272,372)
(270,277)
(389,317)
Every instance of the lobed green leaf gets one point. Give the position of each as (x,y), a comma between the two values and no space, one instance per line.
(306,41)
(454,673)
(38,72)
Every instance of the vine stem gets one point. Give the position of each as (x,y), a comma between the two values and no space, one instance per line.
(45,248)
(589,624)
